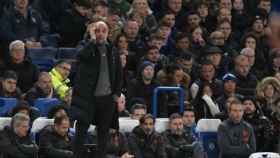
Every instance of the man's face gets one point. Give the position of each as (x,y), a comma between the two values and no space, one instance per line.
(193,20)
(236,113)
(250,54)
(63,128)
(157,43)
(64,70)
(9,85)
(250,43)
(226,4)
(45,83)
(218,39)
(208,72)
(148,126)
(226,29)
(249,106)
(238,5)
(224,14)
(215,58)
(21,4)
(266,5)
(188,118)
(18,53)
(164,32)
(138,113)
(183,44)
(230,86)
(175,5)
(203,11)
(178,76)
(258,26)
(243,68)
(101,11)
(176,126)
(22,129)
(169,19)
(101,33)
(148,73)
(153,55)
(131,29)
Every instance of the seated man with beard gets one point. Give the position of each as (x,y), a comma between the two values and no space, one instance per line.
(144,141)
(179,143)
(43,88)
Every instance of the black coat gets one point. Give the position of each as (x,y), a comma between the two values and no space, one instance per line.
(53,145)
(13,146)
(36,92)
(87,78)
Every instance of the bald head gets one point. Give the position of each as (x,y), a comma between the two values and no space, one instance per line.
(45,82)
(99,31)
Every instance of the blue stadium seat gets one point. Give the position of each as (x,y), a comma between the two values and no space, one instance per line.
(6,105)
(43,57)
(208,134)
(67,53)
(264,155)
(44,105)
(38,125)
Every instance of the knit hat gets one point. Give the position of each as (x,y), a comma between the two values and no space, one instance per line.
(144,65)
(229,77)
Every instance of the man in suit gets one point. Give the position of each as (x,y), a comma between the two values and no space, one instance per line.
(97,88)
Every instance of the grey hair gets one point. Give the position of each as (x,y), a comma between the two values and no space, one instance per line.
(18,119)
(16,42)
(245,50)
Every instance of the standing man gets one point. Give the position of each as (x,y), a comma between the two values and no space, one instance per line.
(236,137)
(97,88)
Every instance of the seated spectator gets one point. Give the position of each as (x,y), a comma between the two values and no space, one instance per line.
(15,141)
(143,86)
(122,107)
(205,105)
(8,86)
(229,82)
(59,75)
(55,141)
(174,76)
(236,137)
(137,111)
(57,111)
(43,88)
(267,91)
(246,81)
(261,125)
(22,22)
(207,76)
(117,145)
(178,142)
(26,71)
(189,121)
(144,141)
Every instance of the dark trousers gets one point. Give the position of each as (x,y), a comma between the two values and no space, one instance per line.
(104,109)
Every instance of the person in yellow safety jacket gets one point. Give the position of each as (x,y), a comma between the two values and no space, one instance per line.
(59,75)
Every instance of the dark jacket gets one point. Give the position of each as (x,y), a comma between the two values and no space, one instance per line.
(27,74)
(176,146)
(15,27)
(263,130)
(13,146)
(53,145)
(246,86)
(143,146)
(36,92)
(87,78)
(236,140)
(117,146)
(275,119)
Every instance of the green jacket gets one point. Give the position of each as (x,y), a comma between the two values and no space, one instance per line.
(59,84)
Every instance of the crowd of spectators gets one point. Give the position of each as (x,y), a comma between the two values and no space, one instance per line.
(219,52)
